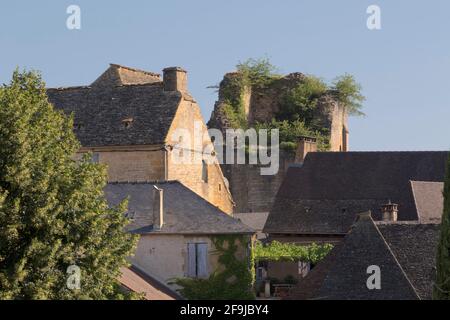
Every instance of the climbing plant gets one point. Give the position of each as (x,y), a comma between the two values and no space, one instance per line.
(277,251)
(232,280)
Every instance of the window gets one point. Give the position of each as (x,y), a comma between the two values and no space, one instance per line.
(197,260)
(204,171)
(220,187)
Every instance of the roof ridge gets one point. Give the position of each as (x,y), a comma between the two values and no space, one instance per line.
(421,181)
(69,88)
(145,182)
(395,258)
(135,69)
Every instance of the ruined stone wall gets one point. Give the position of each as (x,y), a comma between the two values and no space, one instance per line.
(251,191)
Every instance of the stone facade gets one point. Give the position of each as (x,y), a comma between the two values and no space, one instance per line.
(165,256)
(251,191)
(128,117)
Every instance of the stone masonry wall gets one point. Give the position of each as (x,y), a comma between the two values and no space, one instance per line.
(251,191)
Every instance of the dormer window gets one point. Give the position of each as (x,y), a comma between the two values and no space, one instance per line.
(127,122)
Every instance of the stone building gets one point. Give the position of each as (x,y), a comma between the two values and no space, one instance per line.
(129,120)
(177,229)
(251,191)
(319,201)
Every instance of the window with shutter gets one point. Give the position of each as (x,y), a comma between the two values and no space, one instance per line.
(192,261)
(197,260)
(202,260)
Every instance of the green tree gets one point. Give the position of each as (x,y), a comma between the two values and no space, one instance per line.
(349,94)
(257,72)
(442,285)
(300,102)
(52,209)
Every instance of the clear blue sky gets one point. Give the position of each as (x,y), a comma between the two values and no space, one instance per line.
(404,68)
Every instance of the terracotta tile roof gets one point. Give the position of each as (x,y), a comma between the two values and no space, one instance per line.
(137,281)
(326,193)
(100,109)
(185,212)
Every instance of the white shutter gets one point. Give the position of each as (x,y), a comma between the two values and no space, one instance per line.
(202,260)
(191,261)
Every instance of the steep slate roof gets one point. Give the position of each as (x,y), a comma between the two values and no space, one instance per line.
(429,200)
(123,107)
(185,212)
(325,194)
(346,276)
(414,245)
(404,251)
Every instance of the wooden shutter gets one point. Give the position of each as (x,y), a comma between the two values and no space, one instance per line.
(191,261)
(202,260)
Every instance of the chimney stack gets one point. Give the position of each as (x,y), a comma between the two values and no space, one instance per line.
(389,211)
(158,208)
(175,79)
(305,145)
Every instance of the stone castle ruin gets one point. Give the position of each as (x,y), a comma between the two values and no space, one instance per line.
(251,191)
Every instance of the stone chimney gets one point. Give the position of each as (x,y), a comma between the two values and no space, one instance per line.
(389,211)
(158,208)
(175,79)
(305,145)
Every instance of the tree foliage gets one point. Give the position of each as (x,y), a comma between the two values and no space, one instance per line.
(257,72)
(442,284)
(349,94)
(52,209)
(297,108)
(300,102)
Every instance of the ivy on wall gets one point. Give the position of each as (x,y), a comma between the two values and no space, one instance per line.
(234,278)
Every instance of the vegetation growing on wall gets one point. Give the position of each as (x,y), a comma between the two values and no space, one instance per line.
(441,290)
(277,251)
(232,281)
(296,116)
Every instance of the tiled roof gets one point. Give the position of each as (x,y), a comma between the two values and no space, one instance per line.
(429,200)
(414,245)
(185,212)
(137,281)
(122,107)
(326,193)
(254,220)
(404,251)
